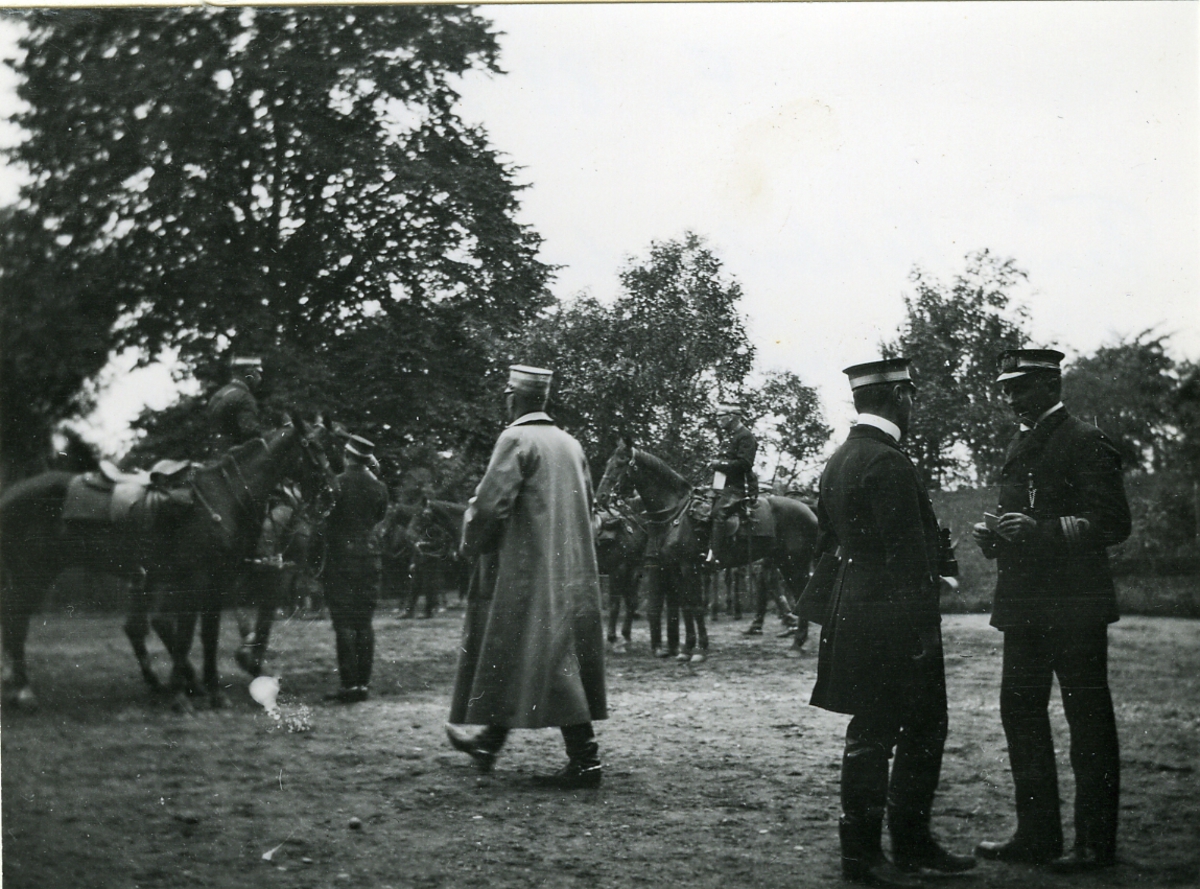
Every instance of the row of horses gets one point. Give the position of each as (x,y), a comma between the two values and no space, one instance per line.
(180,566)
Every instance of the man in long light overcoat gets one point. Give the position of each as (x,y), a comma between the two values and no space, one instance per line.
(533,639)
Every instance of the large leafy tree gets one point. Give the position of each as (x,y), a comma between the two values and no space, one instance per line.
(1129,389)
(654,363)
(295,182)
(793,426)
(954,334)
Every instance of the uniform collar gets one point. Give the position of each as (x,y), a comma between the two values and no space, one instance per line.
(880,423)
(1025,427)
(532,417)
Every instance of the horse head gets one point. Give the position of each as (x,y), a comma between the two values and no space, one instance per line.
(615,471)
(314,474)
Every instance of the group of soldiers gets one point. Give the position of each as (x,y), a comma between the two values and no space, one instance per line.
(352,567)
(533,640)
(532,651)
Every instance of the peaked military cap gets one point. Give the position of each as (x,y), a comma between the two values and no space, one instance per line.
(531,380)
(1018,362)
(247,363)
(887,370)
(360,447)
(729,407)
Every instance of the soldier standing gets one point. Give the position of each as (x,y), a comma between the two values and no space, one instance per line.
(533,637)
(1062,502)
(353,568)
(880,657)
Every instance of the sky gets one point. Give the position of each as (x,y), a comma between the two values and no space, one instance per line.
(824,150)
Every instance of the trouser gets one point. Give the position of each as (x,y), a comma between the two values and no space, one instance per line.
(355,638)
(350,592)
(1079,657)
(913,732)
(580,741)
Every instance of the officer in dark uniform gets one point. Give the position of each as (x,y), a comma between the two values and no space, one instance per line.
(353,567)
(880,656)
(733,470)
(233,409)
(1062,502)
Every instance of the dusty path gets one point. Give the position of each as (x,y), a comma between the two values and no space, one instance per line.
(716,776)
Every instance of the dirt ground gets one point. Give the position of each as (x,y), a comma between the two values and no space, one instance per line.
(718,775)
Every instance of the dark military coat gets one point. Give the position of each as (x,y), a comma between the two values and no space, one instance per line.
(353,565)
(874,508)
(233,412)
(1059,472)
(736,458)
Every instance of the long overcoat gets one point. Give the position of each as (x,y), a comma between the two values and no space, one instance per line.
(1060,472)
(875,510)
(532,651)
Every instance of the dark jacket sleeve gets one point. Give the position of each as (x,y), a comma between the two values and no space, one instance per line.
(1097,494)
(900,519)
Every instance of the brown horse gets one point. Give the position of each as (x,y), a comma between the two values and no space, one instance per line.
(679,543)
(179,565)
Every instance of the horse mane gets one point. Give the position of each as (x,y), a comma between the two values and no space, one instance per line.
(659,465)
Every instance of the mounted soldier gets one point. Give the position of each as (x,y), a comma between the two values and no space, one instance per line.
(735,487)
(233,409)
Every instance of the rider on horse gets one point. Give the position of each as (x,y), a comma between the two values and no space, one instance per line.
(734,484)
(233,409)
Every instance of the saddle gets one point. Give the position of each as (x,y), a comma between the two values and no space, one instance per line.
(753,519)
(138,500)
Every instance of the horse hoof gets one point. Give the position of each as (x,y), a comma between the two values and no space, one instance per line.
(22,699)
(248,662)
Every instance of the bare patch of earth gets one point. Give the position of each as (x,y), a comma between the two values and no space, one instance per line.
(717,775)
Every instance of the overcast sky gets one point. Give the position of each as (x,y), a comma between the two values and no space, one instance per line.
(825,149)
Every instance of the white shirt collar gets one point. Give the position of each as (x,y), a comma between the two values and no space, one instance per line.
(880,423)
(1025,427)
(532,417)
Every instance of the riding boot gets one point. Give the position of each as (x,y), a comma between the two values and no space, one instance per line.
(583,767)
(863,860)
(914,846)
(364,646)
(347,656)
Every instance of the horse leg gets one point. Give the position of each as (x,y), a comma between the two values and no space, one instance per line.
(608,586)
(17,692)
(210,634)
(137,628)
(671,586)
(630,595)
(654,608)
(695,593)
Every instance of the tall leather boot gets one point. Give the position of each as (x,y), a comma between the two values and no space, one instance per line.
(583,769)
(863,860)
(364,650)
(914,847)
(347,657)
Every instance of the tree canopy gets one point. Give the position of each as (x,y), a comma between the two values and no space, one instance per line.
(293,182)
(654,364)
(954,334)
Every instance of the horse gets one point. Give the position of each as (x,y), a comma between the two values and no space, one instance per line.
(434,534)
(621,537)
(179,562)
(679,542)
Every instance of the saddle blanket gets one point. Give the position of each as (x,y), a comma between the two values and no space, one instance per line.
(93,497)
